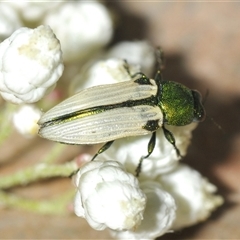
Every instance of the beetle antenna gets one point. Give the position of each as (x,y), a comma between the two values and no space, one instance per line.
(205,97)
(216,124)
(160,58)
(211,118)
(160,64)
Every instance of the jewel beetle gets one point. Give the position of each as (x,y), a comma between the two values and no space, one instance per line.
(138,106)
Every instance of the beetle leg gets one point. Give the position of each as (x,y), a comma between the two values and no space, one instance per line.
(151,146)
(103,149)
(158,76)
(169,136)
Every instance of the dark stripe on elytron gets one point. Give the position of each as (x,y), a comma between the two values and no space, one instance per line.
(151,101)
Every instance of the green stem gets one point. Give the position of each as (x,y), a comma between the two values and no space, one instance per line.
(5,121)
(52,206)
(37,172)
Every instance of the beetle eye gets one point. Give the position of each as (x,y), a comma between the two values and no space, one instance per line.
(199,111)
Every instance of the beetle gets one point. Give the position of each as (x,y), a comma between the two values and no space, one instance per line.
(139,106)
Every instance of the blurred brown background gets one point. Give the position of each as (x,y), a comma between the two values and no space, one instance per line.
(201,42)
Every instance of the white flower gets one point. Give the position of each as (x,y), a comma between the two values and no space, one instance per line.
(25,120)
(102,72)
(30,64)
(33,11)
(82,28)
(137,53)
(158,216)
(194,195)
(9,21)
(140,57)
(107,196)
(129,150)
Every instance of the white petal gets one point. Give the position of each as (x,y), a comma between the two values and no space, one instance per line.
(137,53)
(89,28)
(25,120)
(33,11)
(102,72)
(195,197)
(110,196)
(9,21)
(30,64)
(78,207)
(158,216)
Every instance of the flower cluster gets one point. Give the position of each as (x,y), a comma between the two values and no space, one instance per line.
(30,64)
(168,195)
(177,196)
(108,196)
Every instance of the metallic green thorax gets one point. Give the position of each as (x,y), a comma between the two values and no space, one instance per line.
(177,103)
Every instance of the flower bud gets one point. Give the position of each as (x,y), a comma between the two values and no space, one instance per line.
(30,64)
(108,196)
